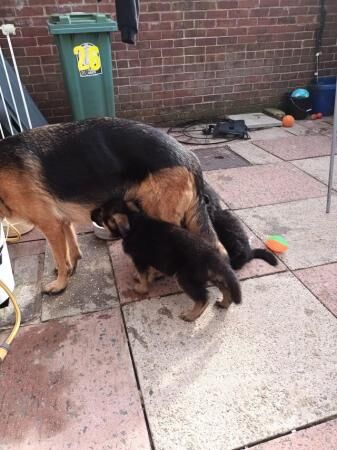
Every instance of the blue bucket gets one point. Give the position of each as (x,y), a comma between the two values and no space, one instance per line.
(323,95)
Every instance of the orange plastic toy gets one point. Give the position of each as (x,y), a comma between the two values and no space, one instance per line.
(288,121)
(276,244)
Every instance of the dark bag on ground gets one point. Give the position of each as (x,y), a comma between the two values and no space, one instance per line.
(228,128)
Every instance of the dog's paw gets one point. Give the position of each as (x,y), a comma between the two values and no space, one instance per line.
(54,287)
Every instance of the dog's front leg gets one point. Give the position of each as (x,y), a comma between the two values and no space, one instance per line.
(56,237)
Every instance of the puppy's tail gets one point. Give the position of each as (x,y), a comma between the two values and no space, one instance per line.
(233,283)
(261,253)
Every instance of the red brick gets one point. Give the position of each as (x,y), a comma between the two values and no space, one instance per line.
(163,43)
(41,50)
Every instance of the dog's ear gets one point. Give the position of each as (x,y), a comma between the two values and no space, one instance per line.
(122,222)
(206,199)
(97,216)
(133,205)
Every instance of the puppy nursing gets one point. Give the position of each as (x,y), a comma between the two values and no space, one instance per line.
(172,250)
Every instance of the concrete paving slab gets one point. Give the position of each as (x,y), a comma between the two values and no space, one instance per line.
(257,120)
(212,158)
(260,369)
(318,168)
(310,232)
(91,288)
(321,281)
(318,126)
(298,130)
(269,134)
(297,147)
(252,153)
(318,437)
(33,235)
(26,249)
(27,273)
(328,119)
(263,185)
(69,384)
(124,269)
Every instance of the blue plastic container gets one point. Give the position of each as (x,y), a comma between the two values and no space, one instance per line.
(323,95)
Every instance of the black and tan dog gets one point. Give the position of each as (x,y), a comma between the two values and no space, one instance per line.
(231,233)
(56,175)
(171,250)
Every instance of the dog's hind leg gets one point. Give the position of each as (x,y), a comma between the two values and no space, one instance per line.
(198,292)
(74,251)
(197,221)
(54,232)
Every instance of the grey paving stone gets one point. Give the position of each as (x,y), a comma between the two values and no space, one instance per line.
(252,153)
(27,272)
(318,168)
(91,288)
(260,369)
(70,384)
(297,147)
(212,158)
(310,232)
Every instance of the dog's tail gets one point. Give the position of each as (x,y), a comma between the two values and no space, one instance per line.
(233,283)
(261,253)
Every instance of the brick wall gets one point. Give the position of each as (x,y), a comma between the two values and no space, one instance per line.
(193,59)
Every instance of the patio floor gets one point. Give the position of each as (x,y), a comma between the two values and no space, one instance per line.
(99,367)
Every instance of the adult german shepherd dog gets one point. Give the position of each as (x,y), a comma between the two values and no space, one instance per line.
(56,175)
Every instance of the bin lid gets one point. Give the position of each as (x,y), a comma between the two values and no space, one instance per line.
(78,22)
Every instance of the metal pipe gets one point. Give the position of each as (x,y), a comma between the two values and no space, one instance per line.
(2,132)
(6,111)
(332,155)
(19,80)
(10,89)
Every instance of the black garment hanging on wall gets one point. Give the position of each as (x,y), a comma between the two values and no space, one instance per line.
(127,12)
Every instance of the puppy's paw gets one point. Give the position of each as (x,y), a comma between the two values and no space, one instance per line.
(140,288)
(224,304)
(187,316)
(136,276)
(192,314)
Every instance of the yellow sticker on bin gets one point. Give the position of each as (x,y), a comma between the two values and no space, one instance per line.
(88,59)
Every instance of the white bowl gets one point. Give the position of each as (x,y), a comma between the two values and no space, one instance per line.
(103,233)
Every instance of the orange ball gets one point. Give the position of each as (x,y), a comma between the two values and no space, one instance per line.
(288,121)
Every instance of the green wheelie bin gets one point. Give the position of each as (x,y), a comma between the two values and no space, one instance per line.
(84,45)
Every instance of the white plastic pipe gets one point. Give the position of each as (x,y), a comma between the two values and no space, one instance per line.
(19,80)
(332,155)
(10,89)
(6,273)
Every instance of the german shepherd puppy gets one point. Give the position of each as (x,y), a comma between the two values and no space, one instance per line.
(171,250)
(56,175)
(231,233)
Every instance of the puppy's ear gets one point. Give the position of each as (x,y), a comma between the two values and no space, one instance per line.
(206,199)
(122,223)
(97,216)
